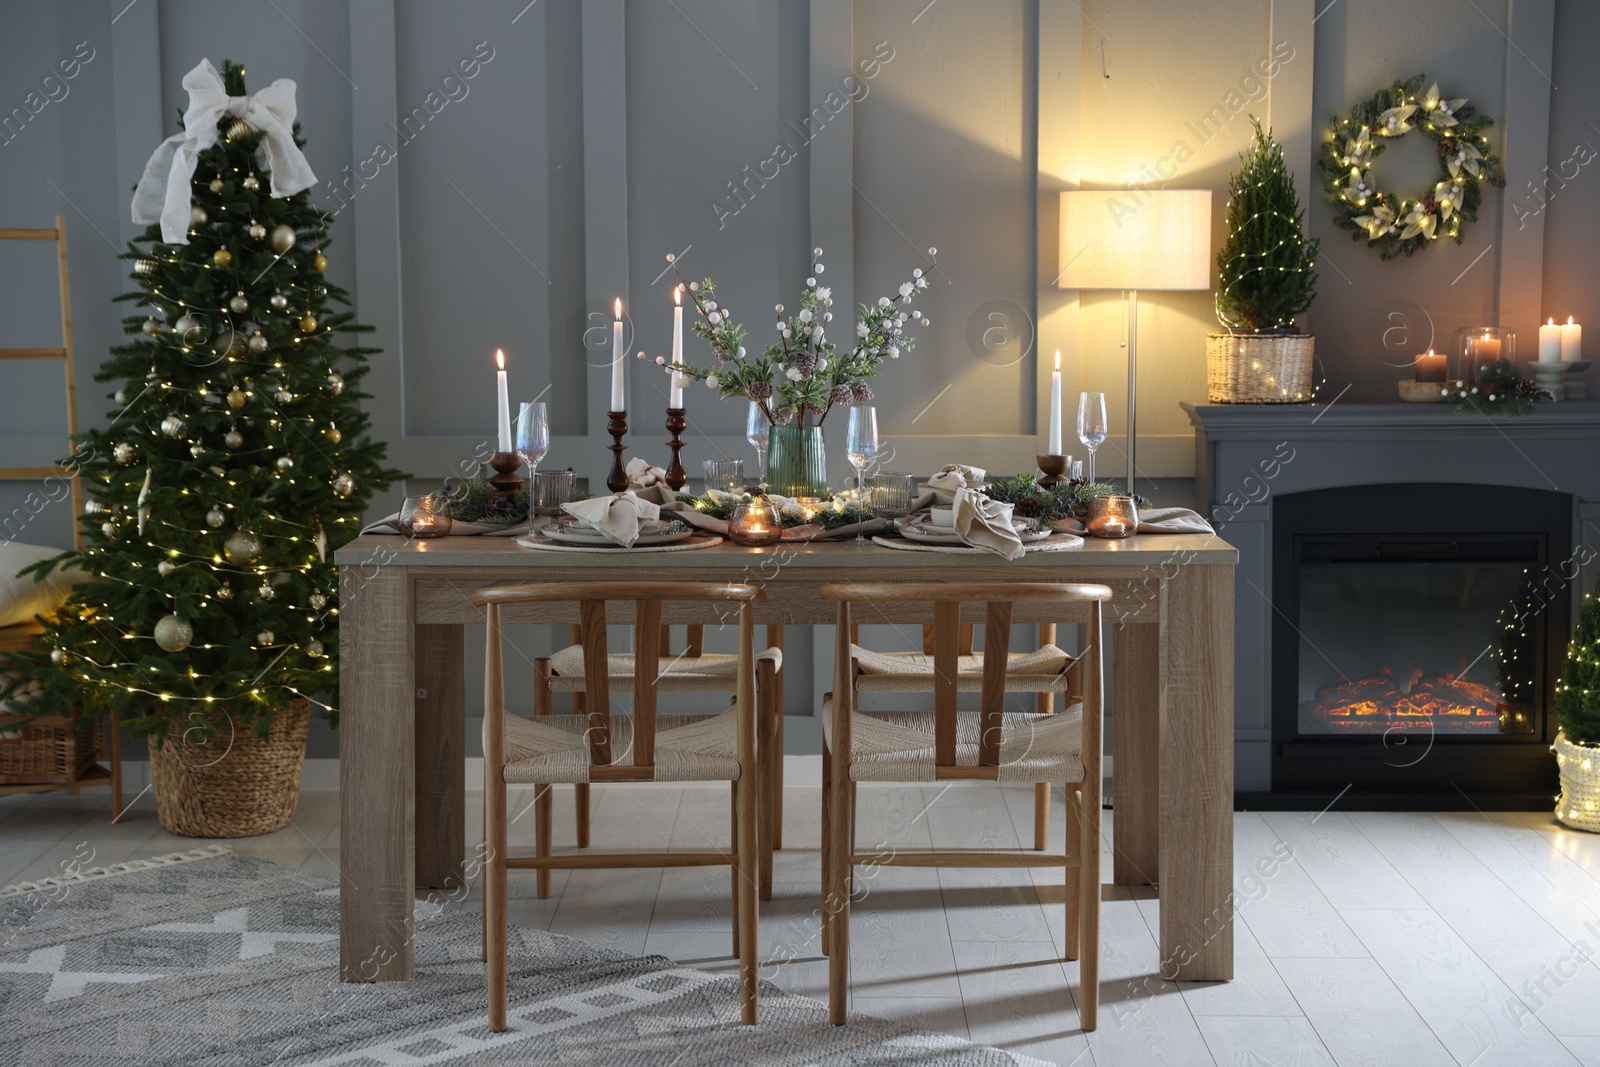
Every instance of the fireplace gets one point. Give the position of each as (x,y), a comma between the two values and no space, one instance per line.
(1416,638)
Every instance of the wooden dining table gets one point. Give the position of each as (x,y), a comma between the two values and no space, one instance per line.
(402,751)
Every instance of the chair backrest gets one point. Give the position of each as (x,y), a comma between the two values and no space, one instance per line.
(649,639)
(945,600)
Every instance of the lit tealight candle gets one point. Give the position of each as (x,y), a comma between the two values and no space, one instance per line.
(1430,366)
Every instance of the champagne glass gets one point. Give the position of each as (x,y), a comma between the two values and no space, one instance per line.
(1092,427)
(755,431)
(861,448)
(533,441)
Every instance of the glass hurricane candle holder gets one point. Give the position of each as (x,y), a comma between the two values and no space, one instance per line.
(755,524)
(1113,517)
(1477,347)
(425,517)
(809,506)
(891,494)
(551,489)
(724,475)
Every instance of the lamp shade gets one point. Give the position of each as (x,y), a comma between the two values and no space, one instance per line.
(1135,239)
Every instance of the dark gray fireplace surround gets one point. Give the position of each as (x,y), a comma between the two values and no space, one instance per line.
(1247,457)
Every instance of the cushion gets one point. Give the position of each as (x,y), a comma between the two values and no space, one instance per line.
(23,598)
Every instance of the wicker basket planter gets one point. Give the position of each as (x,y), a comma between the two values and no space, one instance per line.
(1579,803)
(50,749)
(235,784)
(1258,368)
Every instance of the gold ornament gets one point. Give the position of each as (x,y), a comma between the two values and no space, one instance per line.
(313,649)
(332,435)
(225,592)
(238,129)
(216,184)
(266,592)
(222,257)
(308,322)
(172,426)
(144,267)
(251,183)
(241,548)
(283,237)
(173,634)
(236,398)
(57,656)
(335,383)
(189,328)
(319,262)
(285,463)
(123,453)
(197,451)
(317,601)
(257,231)
(283,396)
(233,438)
(152,326)
(344,485)
(265,637)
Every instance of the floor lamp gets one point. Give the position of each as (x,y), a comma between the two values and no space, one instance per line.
(1132,239)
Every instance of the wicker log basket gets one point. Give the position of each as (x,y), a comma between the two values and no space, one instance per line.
(1259,368)
(234,784)
(1579,803)
(48,749)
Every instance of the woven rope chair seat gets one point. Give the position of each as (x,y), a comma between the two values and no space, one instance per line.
(897,746)
(707,673)
(555,749)
(1041,671)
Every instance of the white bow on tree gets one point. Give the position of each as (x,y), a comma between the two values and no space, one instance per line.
(164,194)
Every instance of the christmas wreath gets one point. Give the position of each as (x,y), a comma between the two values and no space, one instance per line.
(1398,225)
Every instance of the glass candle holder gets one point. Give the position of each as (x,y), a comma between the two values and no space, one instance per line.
(425,517)
(551,489)
(755,524)
(891,493)
(1113,517)
(810,506)
(724,475)
(1477,347)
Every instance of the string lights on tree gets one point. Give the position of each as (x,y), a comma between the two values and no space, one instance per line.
(236,460)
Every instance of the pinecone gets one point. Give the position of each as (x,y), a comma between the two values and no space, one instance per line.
(841,394)
(1527,389)
(1027,508)
(861,392)
(782,417)
(761,391)
(806,364)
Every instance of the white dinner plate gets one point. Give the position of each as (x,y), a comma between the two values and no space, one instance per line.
(939,535)
(573,534)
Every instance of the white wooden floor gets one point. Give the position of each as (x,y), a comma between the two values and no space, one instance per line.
(1376,939)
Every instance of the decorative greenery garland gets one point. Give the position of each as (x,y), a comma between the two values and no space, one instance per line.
(1397,225)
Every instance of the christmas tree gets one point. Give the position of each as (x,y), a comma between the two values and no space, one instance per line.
(235,462)
(1578,691)
(1264,267)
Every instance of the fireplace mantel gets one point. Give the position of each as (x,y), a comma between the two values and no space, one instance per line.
(1247,454)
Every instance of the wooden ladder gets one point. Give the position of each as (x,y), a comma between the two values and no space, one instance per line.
(59,235)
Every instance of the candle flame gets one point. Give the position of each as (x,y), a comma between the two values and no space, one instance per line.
(1552,320)
(1058,359)
(619,309)
(500,359)
(677,295)
(1570,322)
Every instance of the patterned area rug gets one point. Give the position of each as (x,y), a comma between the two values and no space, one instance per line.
(212,958)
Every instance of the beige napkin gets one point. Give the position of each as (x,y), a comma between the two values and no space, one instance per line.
(617,517)
(641,475)
(953,476)
(985,523)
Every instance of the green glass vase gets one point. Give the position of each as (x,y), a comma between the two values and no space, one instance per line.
(797,464)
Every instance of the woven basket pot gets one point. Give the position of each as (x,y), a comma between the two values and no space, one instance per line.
(1578,806)
(234,784)
(1258,368)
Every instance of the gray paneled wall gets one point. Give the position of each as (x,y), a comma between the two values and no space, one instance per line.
(502,170)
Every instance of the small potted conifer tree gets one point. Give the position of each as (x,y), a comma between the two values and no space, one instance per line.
(1266,280)
(1577,708)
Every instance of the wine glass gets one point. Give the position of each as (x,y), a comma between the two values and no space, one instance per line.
(861,448)
(533,441)
(1092,428)
(755,431)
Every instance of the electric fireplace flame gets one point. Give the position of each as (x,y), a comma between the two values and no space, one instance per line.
(1412,700)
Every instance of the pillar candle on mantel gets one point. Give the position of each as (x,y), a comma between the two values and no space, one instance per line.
(1430,366)
(1550,342)
(1055,408)
(505,401)
(1571,342)
(617,397)
(1485,351)
(676,400)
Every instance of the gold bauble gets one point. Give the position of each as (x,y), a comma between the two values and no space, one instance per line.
(332,435)
(173,634)
(319,262)
(236,398)
(308,323)
(239,128)
(222,257)
(144,267)
(241,548)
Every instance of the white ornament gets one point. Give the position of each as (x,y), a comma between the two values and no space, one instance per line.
(165,568)
(233,438)
(238,304)
(215,518)
(172,633)
(285,463)
(711,381)
(172,426)
(810,282)
(816,251)
(933,251)
(818,269)
(317,601)
(123,453)
(266,637)
(266,592)
(313,648)
(109,529)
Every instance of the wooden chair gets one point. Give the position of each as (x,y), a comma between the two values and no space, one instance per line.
(691,671)
(993,745)
(548,750)
(1027,672)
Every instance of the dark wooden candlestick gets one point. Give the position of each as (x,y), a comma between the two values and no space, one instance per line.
(617,480)
(1054,469)
(677,422)
(507,482)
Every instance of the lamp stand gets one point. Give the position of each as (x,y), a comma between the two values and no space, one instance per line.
(1131,297)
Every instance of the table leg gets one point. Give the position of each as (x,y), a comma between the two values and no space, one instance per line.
(1196,784)
(441,756)
(376,768)
(1136,739)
